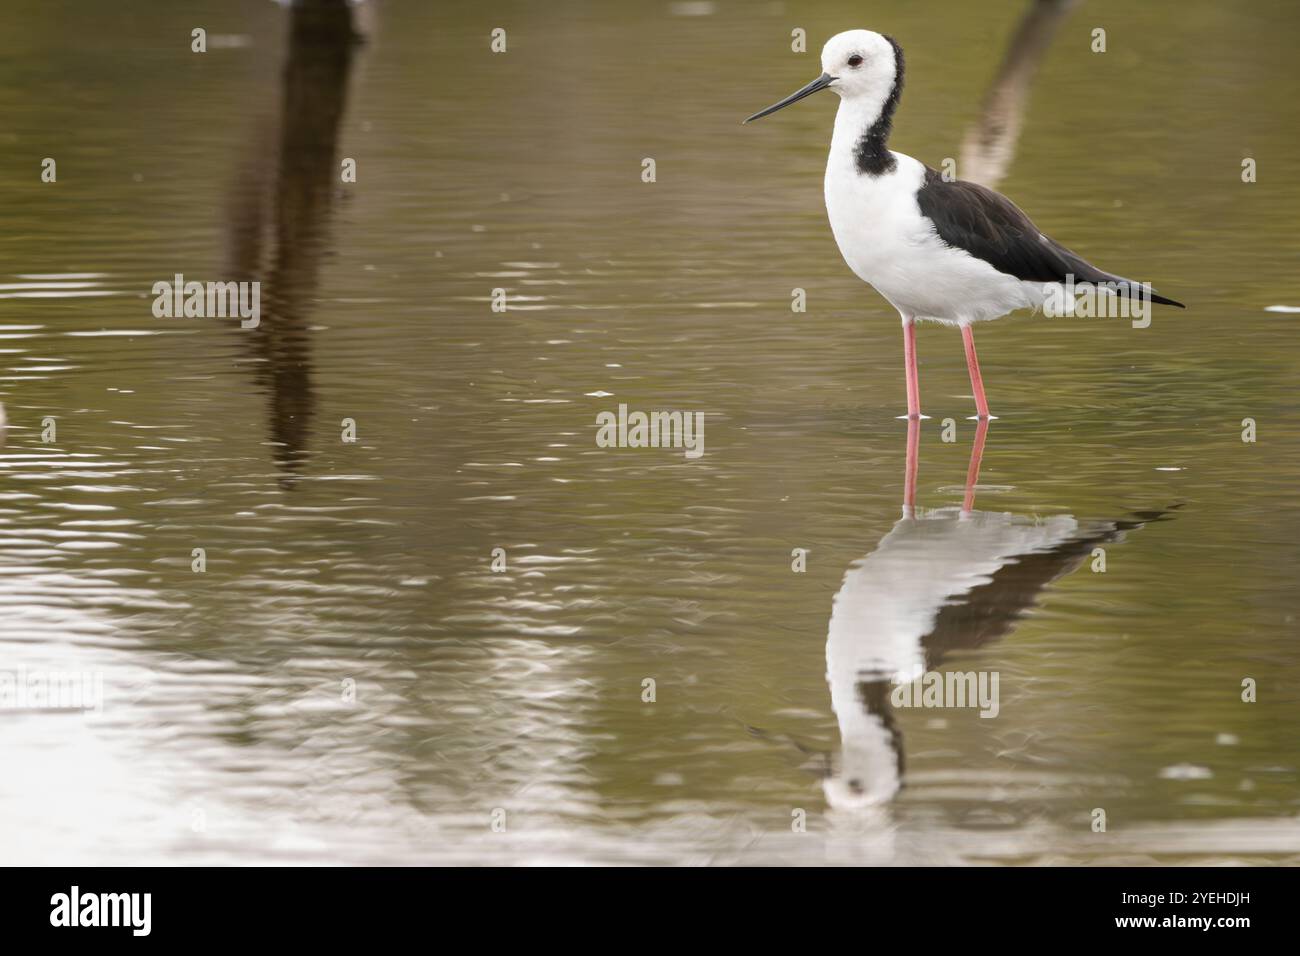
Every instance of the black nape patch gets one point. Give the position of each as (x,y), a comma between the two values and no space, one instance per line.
(871,154)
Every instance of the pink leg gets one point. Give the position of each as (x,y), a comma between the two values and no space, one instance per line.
(973,366)
(909,360)
(973,472)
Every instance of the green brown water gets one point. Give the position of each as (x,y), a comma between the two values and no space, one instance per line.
(224,736)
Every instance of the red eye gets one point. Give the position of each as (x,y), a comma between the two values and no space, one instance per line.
(855,61)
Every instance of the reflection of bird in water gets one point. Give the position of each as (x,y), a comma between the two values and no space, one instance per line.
(940,580)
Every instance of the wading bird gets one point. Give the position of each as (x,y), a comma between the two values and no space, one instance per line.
(949,251)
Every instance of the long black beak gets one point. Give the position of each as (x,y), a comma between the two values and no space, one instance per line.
(820,83)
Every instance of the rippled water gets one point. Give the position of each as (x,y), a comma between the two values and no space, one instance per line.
(350,680)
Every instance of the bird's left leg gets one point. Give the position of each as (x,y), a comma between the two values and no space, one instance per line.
(973,366)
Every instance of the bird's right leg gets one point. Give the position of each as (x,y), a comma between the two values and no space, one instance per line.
(976,380)
(909,361)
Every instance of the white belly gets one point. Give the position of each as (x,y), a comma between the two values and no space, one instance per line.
(888,243)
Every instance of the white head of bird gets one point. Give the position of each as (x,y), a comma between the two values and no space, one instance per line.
(861,62)
(859,65)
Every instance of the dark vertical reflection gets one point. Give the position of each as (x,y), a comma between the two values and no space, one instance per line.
(314,84)
(990,143)
(942,580)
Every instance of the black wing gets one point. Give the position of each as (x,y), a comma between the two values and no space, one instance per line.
(991,227)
